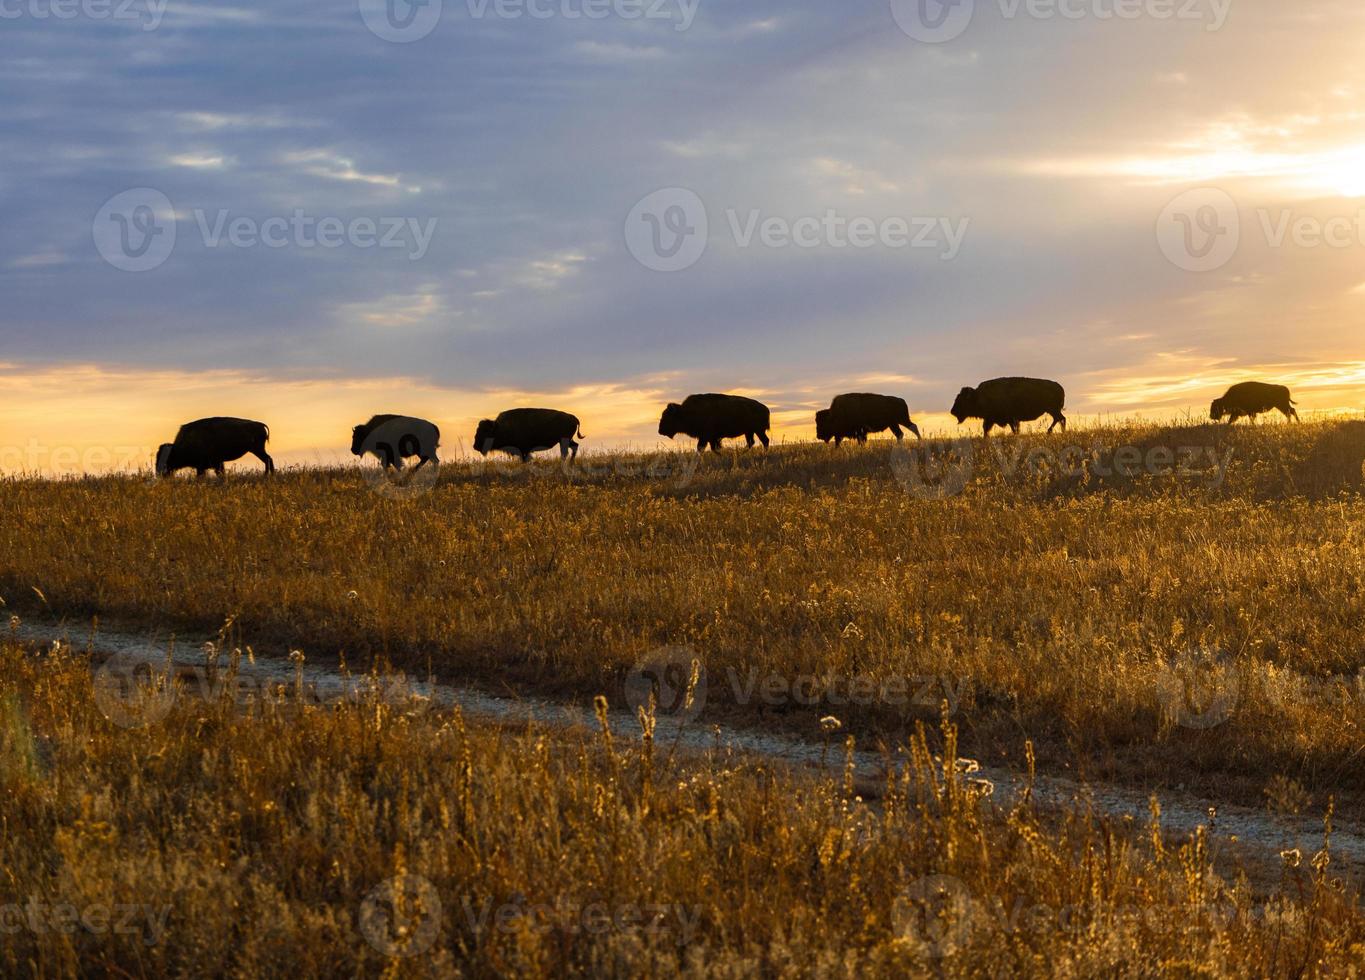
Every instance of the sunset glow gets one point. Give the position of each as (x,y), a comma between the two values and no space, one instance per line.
(513,277)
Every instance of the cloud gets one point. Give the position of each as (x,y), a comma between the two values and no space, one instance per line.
(530,140)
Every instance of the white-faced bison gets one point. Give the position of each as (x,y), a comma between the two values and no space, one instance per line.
(1011,401)
(858,414)
(208,444)
(1249,399)
(523,431)
(711,418)
(394,438)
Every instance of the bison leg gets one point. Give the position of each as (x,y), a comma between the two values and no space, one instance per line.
(763,438)
(1014,427)
(221,470)
(701,444)
(838,441)
(715,446)
(264,457)
(987,426)
(896,431)
(749,439)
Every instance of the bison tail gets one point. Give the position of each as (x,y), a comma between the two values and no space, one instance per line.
(580,433)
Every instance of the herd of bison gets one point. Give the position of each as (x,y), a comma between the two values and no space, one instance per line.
(209,444)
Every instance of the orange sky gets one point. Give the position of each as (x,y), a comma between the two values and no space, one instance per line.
(73,419)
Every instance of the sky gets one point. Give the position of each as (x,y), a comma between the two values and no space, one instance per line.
(308,212)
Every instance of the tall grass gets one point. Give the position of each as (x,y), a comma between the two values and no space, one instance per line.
(374,838)
(1062,599)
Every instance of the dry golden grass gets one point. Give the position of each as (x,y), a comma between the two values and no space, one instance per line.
(254,840)
(1063,600)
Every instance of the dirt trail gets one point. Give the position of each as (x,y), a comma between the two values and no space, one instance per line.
(1239,829)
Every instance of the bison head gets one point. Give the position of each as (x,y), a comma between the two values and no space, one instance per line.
(824,431)
(1218,409)
(671,422)
(485,435)
(163,459)
(964,407)
(358,435)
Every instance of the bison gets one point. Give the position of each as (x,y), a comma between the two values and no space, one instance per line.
(394,438)
(824,428)
(1010,401)
(523,431)
(1251,398)
(208,444)
(711,418)
(856,415)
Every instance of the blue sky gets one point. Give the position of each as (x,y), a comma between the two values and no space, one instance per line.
(1051,143)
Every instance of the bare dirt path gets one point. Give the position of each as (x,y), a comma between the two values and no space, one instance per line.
(1236,830)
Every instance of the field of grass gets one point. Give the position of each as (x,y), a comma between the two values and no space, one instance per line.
(382,838)
(1086,605)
